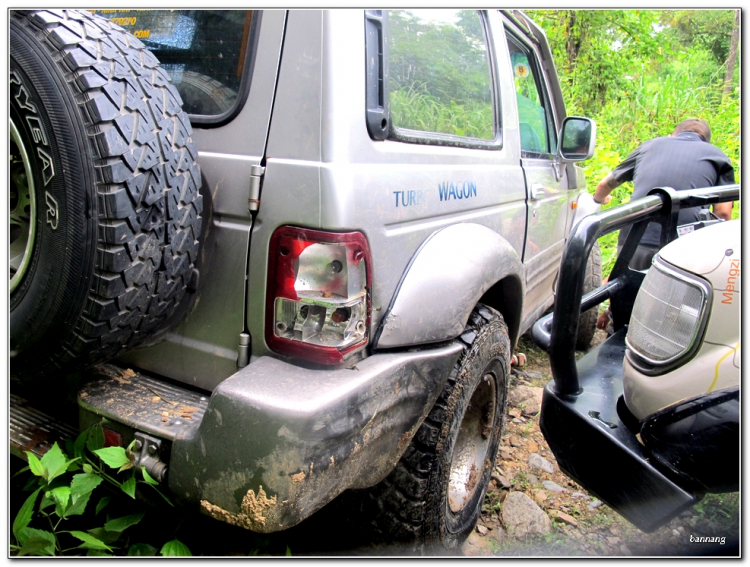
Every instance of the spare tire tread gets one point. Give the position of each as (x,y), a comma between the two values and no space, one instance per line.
(147,181)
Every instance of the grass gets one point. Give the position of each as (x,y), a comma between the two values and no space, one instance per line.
(719,513)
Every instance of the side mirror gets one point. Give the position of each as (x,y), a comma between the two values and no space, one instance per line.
(578,137)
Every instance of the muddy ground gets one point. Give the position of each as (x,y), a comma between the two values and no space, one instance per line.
(575,523)
(579,524)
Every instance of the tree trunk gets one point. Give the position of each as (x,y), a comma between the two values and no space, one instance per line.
(732,58)
(572,40)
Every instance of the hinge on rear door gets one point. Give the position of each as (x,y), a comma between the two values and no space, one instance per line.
(256,175)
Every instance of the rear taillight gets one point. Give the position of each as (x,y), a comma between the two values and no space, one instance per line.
(318,302)
(112,438)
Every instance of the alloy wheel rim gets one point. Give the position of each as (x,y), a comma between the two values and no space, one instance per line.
(21,209)
(472,444)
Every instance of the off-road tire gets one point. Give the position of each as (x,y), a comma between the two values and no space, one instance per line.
(592,280)
(116,184)
(413,504)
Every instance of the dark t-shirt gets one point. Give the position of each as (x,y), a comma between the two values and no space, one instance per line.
(681,162)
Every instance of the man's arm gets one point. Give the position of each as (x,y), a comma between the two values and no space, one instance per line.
(726,177)
(723,210)
(605,187)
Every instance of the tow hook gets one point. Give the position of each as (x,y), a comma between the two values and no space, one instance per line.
(147,450)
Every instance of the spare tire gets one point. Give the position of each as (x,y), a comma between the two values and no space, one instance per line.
(203,95)
(105,211)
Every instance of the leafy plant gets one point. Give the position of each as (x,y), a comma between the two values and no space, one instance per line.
(62,489)
(638,73)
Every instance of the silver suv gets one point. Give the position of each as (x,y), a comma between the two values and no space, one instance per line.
(293,250)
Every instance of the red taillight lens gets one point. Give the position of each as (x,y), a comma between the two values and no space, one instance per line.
(112,438)
(318,302)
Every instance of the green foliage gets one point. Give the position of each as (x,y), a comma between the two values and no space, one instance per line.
(65,493)
(720,511)
(115,457)
(639,73)
(596,50)
(448,57)
(413,108)
(439,75)
(175,548)
(142,550)
(702,29)
(120,524)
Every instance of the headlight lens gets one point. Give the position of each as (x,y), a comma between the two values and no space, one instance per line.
(668,315)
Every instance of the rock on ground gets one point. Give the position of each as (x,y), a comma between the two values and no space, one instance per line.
(526,398)
(522,517)
(537,462)
(552,486)
(477,545)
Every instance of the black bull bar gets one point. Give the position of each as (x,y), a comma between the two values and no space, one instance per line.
(580,418)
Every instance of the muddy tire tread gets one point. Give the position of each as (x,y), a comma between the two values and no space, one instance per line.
(402,500)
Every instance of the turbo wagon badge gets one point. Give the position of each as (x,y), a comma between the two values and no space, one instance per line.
(406,198)
(450,191)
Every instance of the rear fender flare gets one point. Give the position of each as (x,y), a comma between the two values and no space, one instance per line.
(445,279)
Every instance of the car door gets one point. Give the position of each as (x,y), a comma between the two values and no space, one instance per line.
(546,179)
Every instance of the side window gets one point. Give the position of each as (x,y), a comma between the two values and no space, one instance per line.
(204,51)
(534,115)
(439,74)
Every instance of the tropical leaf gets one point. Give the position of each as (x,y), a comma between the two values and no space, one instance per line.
(23,518)
(175,548)
(114,457)
(54,463)
(89,541)
(142,550)
(82,484)
(147,477)
(123,523)
(61,496)
(79,506)
(102,504)
(37,468)
(79,447)
(128,487)
(105,536)
(38,545)
(95,438)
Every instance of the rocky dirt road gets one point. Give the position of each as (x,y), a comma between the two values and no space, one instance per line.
(534,509)
(531,508)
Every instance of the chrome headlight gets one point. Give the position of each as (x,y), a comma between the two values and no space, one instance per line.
(669,317)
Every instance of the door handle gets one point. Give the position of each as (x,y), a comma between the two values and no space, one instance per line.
(537,191)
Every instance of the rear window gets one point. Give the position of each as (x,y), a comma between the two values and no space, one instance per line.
(204,52)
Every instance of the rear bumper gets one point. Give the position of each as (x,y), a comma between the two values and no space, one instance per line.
(277,442)
(274,442)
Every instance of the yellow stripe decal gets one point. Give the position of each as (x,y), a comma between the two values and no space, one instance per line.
(716,371)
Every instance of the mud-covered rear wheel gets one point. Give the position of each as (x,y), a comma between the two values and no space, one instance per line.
(433,498)
(104,211)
